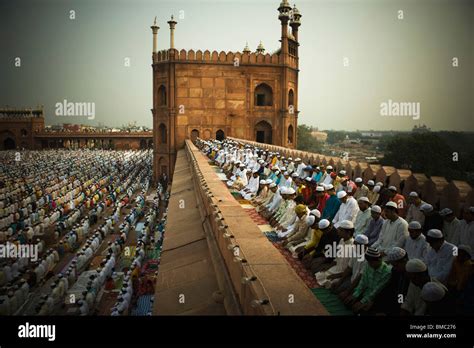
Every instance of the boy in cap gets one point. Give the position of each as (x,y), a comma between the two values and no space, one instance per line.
(414,213)
(374,278)
(387,302)
(332,203)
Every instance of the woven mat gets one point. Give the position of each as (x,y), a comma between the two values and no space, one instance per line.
(331,302)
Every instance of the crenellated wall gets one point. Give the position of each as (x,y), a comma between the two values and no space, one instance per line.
(207,56)
(435,190)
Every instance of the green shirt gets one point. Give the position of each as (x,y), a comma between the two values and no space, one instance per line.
(372,281)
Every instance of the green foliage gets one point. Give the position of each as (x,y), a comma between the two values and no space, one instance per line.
(428,153)
(306,142)
(335,137)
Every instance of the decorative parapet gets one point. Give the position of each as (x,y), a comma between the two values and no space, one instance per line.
(220,57)
(435,190)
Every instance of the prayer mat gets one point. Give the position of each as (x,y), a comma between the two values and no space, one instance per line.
(331,302)
(306,275)
(247,206)
(272,236)
(144,305)
(256,217)
(265,228)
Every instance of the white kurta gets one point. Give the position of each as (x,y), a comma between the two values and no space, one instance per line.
(347,211)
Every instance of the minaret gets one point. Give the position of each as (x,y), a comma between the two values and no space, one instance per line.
(295,22)
(172,24)
(155,28)
(260,49)
(246,48)
(284,17)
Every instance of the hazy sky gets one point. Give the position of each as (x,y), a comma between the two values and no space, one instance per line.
(403,60)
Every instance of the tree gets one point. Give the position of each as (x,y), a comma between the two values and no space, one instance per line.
(420,152)
(306,141)
(335,137)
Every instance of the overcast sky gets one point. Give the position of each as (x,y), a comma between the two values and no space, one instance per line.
(402,60)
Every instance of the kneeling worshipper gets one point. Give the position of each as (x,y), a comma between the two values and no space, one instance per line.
(312,220)
(349,279)
(300,231)
(250,190)
(343,253)
(262,194)
(374,278)
(437,302)
(387,302)
(261,204)
(418,274)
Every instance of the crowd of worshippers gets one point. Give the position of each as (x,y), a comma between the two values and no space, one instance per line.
(51,200)
(401,255)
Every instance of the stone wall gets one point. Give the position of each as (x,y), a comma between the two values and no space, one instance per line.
(237,234)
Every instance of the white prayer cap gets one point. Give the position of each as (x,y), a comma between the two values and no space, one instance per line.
(273,184)
(392,188)
(329,187)
(364,199)
(391,204)
(268,181)
(290,159)
(342,172)
(376,208)
(413,194)
(260,161)
(263,182)
(319,189)
(466,248)
(308,178)
(310,219)
(358,180)
(291,191)
(414,225)
(435,233)
(415,266)
(242,165)
(361,239)
(371,183)
(323,224)
(316,213)
(346,224)
(237,162)
(283,169)
(445,212)
(426,208)
(277,172)
(297,159)
(294,175)
(377,189)
(254,171)
(395,254)
(286,173)
(329,167)
(433,292)
(284,190)
(341,194)
(379,183)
